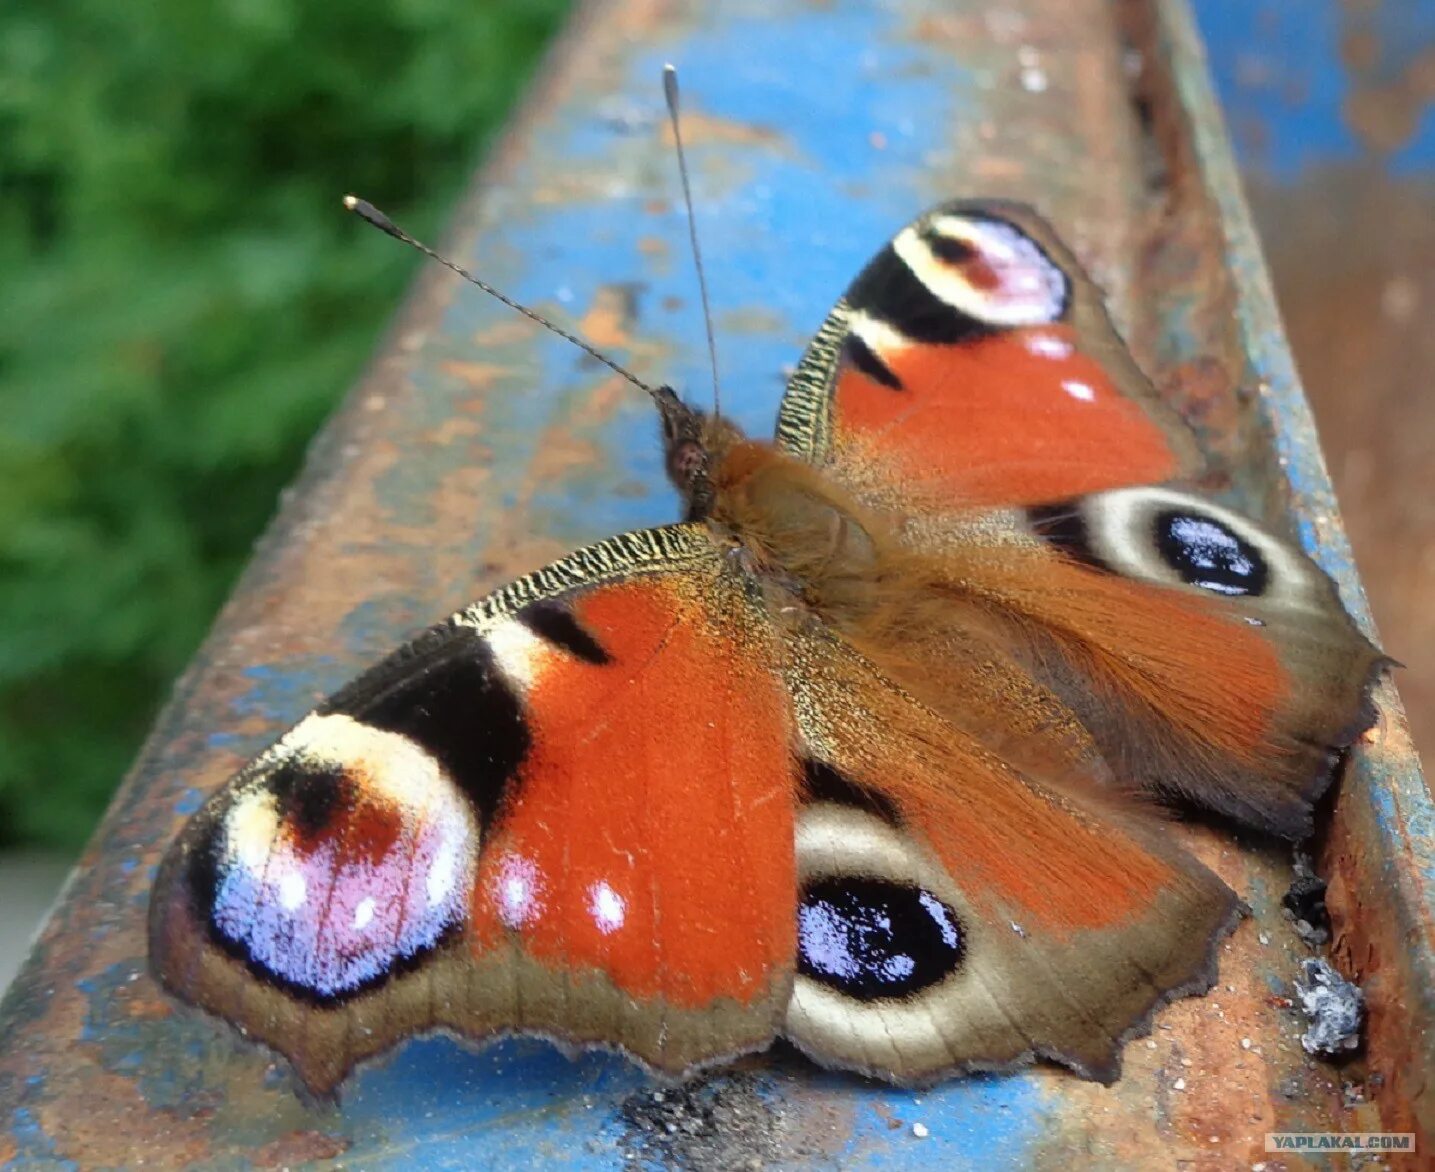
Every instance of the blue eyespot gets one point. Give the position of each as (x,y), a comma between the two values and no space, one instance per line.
(1209,554)
(870,939)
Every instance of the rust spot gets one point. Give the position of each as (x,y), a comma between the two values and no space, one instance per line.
(886,1114)
(507,331)
(605,325)
(701,129)
(299,1147)
(1379,953)
(561,452)
(476,375)
(1386,114)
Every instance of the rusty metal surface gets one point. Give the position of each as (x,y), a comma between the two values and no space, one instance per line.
(1379,848)
(1331,107)
(477,448)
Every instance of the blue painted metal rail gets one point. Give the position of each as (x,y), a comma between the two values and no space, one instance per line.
(478,448)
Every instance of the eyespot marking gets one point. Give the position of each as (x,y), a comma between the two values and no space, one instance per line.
(951,249)
(1179,539)
(987,269)
(347,860)
(1208,554)
(309,795)
(871,939)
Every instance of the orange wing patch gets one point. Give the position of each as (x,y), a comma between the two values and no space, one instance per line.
(1187,657)
(1061,873)
(651,832)
(1014,849)
(1015,418)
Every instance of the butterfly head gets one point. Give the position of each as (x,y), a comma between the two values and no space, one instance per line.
(693,442)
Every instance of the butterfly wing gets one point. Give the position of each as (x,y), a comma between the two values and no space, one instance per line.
(972,383)
(955,913)
(566,811)
(973,363)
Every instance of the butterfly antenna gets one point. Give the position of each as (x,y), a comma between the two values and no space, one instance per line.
(370,214)
(670,92)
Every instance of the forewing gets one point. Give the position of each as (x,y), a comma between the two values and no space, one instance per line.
(972,363)
(567,811)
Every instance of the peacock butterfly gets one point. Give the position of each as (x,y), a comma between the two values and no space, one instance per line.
(860,753)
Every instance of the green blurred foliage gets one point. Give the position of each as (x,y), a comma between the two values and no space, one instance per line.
(181,303)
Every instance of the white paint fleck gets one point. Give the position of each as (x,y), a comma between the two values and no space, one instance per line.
(1033,80)
(920,1130)
(1179,1084)
(1030,289)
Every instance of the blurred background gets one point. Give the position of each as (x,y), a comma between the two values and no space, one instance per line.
(181,304)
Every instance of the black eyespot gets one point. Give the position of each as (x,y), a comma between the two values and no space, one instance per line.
(309,797)
(871,940)
(1209,554)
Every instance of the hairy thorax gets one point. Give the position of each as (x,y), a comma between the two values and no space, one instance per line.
(802,532)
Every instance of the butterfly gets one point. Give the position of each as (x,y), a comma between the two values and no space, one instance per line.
(869,751)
